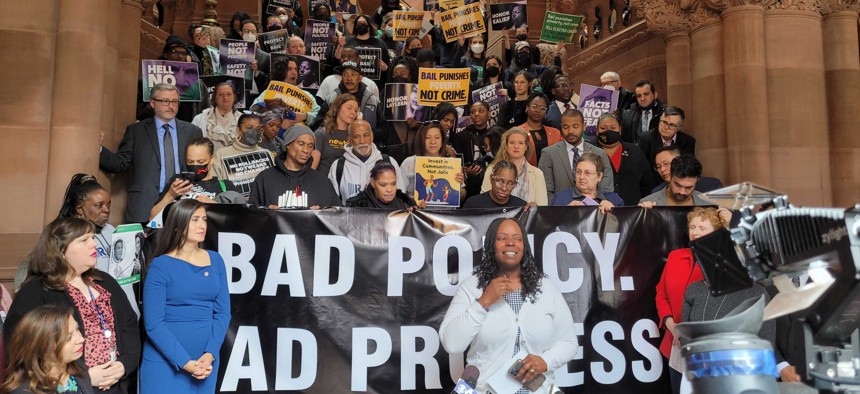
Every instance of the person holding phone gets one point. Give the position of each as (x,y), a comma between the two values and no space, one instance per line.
(508,309)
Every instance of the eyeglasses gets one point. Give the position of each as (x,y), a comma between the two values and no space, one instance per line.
(586,173)
(661,166)
(670,126)
(175,52)
(166,102)
(250,31)
(564,86)
(538,107)
(501,184)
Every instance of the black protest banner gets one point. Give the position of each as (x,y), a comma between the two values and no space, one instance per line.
(238,83)
(507,16)
(318,37)
(362,292)
(241,169)
(274,41)
(369,62)
(490,95)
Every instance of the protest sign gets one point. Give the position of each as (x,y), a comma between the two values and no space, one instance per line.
(274,41)
(435,180)
(407,24)
(184,75)
(215,55)
(507,16)
(318,37)
(297,99)
(401,101)
(243,168)
(439,85)
(593,102)
(274,4)
(490,95)
(127,259)
(462,22)
(309,72)
(450,4)
(559,27)
(345,7)
(369,62)
(210,81)
(236,57)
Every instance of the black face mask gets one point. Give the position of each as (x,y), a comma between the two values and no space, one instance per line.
(399,79)
(524,59)
(492,71)
(274,27)
(199,171)
(361,29)
(414,52)
(609,137)
(322,17)
(522,37)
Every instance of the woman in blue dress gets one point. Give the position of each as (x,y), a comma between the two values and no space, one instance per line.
(186,307)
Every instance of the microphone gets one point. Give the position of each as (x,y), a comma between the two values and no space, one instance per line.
(468,381)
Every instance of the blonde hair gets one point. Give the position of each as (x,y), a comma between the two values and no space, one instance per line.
(502,154)
(709,214)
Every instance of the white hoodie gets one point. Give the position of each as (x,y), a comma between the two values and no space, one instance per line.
(356,173)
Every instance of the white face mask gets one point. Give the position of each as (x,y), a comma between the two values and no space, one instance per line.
(609,87)
(249,37)
(477,48)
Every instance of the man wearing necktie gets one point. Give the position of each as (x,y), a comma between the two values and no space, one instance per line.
(562,94)
(558,161)
(155,149)
(643,115)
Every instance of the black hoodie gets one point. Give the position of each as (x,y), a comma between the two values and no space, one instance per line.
(274,182)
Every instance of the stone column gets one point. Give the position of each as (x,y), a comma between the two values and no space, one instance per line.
(747,125)
(125,102)
(797,103)
(679,78)
(28,33)
(842,73)
(78,93)
(709,94)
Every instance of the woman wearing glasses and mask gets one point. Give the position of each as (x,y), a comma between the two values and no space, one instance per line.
(245,152)
(531,184)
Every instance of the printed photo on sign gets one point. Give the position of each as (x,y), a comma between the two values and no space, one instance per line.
(296,99)
(462,22)
(407,24)
(236,58)
(127,253)
(435,180)
(593,102)
(242,169)
(439,85)
(507,16)
(318,37)
(309,72)
(211,81)
(401,103)
(184,75)
(274,41)
(490,95)
(559,27)
(343,6)
(369,62)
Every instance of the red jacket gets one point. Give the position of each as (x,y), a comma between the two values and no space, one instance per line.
(553,135)
(680,271)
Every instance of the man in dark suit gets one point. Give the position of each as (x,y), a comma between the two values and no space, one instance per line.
(642,116)
(155,148)
(557,160)
(668,132)
(562,92)
(611,80)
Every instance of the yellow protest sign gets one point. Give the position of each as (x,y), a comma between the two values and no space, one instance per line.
(441,85)
(449,4)
(466,21)
(297,99)
(407,24)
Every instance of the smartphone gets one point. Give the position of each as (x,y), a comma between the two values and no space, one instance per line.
(187,176)
(531,385)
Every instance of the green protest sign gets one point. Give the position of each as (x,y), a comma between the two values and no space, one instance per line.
(559,27)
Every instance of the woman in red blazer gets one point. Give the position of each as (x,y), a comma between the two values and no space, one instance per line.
(680,271)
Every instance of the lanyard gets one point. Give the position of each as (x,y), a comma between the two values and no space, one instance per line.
(98,312)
